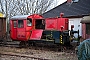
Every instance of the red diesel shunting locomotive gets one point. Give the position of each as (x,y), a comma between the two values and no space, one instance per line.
(36,28)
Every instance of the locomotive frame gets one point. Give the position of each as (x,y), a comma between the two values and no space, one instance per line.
(42,29)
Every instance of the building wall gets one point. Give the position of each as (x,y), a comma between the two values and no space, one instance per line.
(84,31)
(2,28)
(77,25)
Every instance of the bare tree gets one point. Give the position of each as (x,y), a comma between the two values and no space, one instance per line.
(35,6)
(23,7)
(17,7)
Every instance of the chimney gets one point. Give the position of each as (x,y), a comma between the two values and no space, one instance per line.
(69,1)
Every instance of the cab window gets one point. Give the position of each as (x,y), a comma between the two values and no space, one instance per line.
(20,24)
(15,24)
(39,24)
(29,22)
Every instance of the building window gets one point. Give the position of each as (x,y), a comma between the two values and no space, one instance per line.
(20,24)
(15,24)
(88,28)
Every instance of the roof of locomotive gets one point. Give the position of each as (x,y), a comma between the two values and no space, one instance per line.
(19,17)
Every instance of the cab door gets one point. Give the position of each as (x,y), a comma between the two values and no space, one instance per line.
(37,32)
(13,29)
(21,30)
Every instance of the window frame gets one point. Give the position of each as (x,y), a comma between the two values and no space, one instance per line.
(15,23)
(20,24)
(29,22)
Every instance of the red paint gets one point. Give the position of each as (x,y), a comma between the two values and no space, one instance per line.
(56,24)
(13,31)
(36,34)
(62,22)
(24,32)
(51,24)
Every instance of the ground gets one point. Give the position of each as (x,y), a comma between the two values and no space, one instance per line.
(46,54)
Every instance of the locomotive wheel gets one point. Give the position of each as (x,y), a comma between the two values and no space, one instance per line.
(31,43)
(23,44)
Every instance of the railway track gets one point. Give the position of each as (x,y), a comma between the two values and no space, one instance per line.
(9,43)
(27,52)
(14,44)
(22,55)
(37,46)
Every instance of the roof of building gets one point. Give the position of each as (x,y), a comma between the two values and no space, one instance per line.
(81,8)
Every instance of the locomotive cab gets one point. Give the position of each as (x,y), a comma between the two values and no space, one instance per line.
(23,28)
(18,27)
